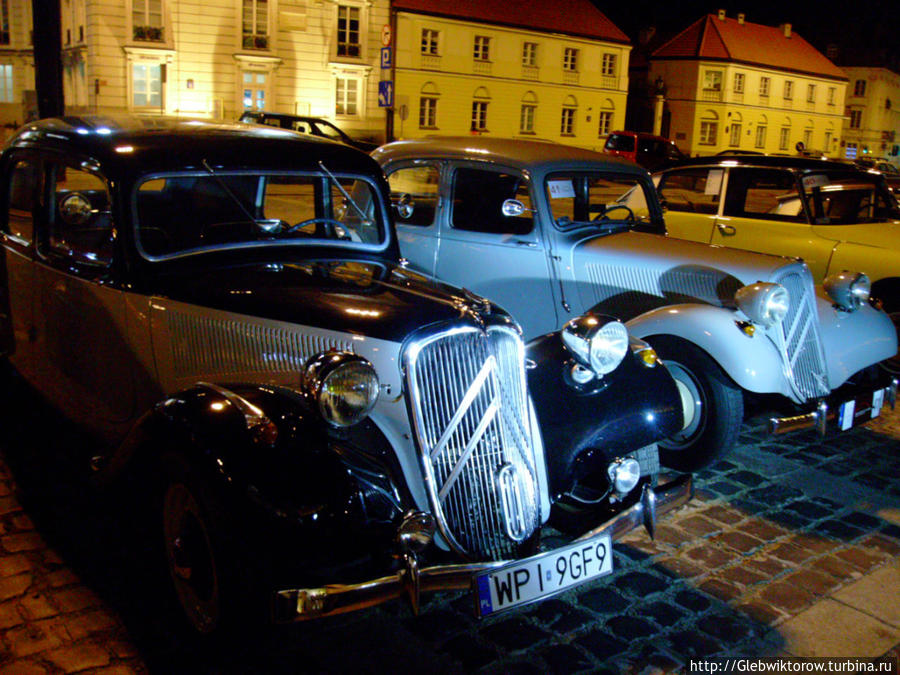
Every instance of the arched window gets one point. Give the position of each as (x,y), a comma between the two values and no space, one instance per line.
(527,113)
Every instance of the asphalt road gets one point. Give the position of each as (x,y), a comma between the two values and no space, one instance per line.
(790,547)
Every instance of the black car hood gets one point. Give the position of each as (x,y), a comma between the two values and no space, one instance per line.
(374,299)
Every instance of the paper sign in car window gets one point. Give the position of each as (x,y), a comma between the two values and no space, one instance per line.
(815,180)
(713,182)
(561,189)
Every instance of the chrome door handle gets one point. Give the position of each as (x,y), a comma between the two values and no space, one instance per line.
(522,242)
(726,230)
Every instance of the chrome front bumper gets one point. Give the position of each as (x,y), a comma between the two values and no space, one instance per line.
(823,414)
(312,603)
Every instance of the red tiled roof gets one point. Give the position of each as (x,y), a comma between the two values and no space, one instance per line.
(571,17)
(715,39)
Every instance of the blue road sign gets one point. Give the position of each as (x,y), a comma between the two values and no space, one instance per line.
(386,94)
(385,58)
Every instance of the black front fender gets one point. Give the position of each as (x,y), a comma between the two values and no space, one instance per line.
(583,430)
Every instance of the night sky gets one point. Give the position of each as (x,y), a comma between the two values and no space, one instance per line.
(866,31)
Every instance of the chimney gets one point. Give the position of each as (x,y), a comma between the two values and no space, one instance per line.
(721,15)
(786,27)
(741,18)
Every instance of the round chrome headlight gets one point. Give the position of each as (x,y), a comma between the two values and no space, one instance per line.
(849,290)
(344,386)
(599,343)
(763,303)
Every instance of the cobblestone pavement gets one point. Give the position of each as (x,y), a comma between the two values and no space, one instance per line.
(789,547)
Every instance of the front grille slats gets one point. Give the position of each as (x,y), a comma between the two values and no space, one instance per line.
(471,419)
(798,337)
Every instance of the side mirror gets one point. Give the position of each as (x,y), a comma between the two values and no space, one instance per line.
(513,207)
(404,205)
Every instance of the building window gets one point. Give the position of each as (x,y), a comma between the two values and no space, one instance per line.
(709,129)
(734,140)
(738,83)
(348,31)
(807,138)
(570,59)
(526,118)
(827,141)
(482,50)
(605,119)
(608,65)
(146,20)
(764,83)
(430,41)
(255,90)
(427,112)
(784,138)
(855,119)
(529,54)
(859,88)
(760,136)
(346,96)
(146,85)
(851,151)
(831,94)
(712,80)
(811,93)
(255,24)
(6,84)
(567,123)
(479,115)
(4,22)
(788,89)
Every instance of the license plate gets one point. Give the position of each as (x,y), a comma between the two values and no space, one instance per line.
(542,575)
(858,411)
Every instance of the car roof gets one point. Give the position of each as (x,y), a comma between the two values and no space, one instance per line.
(284,116)
(523,154)
(132,145)
(775,161)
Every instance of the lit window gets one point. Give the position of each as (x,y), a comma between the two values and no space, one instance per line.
(479,115)
(6,84)
(427,112)
(529,54)
(430,41)
(254,90)
(255,24)
(146,84)
(608,65)
(712,80)
(570,59)
(482,50)
(346,96)
(348,31)
(146,20)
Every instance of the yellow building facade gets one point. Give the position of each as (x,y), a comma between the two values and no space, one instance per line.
(733,85)
(474,75)
(872,123)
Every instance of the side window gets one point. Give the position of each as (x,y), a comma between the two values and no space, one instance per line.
(693,191)
(478,197)
(421,185)
(80,222)
(24,188)
(769,194)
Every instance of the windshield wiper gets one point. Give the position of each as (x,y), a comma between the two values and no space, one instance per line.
(365,219)
(228,191)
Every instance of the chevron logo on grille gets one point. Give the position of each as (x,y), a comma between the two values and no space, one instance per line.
(510,485)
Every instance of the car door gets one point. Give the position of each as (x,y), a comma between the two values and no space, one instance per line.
(83,359)
(415,194)
(501,257)
(23,178)
(763,211)
(691,199)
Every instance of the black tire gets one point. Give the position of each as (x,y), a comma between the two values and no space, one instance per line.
(216,595)
(714,407)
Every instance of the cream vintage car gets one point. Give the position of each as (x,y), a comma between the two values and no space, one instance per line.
(834,216)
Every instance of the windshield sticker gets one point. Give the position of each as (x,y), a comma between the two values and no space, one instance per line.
(561,189)
(815,180)
(713,182)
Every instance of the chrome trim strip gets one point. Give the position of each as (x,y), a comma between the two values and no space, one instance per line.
(313,603)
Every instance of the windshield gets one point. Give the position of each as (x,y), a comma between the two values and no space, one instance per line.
(608,201)
(188,213)
(845,199)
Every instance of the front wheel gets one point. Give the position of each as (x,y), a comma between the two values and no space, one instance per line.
(713,407)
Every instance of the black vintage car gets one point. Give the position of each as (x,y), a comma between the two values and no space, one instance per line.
(322,428)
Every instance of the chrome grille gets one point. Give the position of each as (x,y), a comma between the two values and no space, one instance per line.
(470,413)
(798,338)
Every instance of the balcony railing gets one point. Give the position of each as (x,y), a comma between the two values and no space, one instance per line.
(609,81)
(570,77)
(430,62)
(481,67)
(531,73)
(788,103)
(712,95)
(737,97)
(811,106)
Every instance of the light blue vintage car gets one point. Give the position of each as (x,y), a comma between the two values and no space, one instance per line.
(550,232)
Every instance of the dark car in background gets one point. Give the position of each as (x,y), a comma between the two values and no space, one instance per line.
(314,126)
(648,150)
(314,427)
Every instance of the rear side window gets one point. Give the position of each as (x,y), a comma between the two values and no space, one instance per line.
(692,190)
(418,186)
(478,197)
(24,186)
(80,225)
(767,194)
